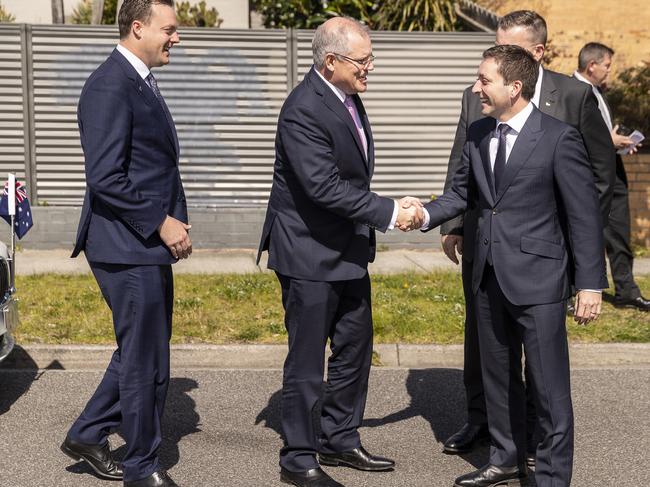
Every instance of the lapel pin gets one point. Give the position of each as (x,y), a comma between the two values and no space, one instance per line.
(548,103)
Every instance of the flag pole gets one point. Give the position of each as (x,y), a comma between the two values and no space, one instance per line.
(11,199)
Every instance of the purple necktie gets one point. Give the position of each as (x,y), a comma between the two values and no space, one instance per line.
(349,104)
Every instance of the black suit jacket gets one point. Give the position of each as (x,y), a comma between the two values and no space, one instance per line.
(547,180)
(566,99)
(131,161)
(321,213)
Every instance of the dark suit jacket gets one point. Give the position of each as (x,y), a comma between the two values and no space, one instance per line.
(321,214)
(547,180)
(566,99)
(132,174)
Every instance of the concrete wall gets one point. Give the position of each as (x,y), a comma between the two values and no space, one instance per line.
(220,228)
(30,11)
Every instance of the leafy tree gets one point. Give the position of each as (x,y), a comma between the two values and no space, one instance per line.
(629,97)
(410,15)
(416,15)
(109,15)
(197,15)
(5,16)
(298,14)
(83,12)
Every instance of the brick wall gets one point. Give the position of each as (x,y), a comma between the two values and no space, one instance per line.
(637,168)
(622,25)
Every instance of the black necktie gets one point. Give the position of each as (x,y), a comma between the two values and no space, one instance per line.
(500,160)
(154,87)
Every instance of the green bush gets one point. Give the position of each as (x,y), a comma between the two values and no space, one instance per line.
(410,15)
(197,15)
(629,98)
(83,12)
(5,16)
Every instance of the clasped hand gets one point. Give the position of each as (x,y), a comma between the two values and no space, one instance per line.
(174,234)
(410,215)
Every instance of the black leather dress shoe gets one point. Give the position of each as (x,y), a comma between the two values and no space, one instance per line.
(493,476)
(99,457)
(468,438)
(310,478)
(156,479)
(358,458)
(639,303)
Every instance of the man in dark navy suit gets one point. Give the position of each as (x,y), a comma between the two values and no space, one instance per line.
(567,100)
(320,235)
(133,227)
(525,174)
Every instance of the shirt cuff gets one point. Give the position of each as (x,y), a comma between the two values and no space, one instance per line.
(600,291)
(427,220)
(393,219)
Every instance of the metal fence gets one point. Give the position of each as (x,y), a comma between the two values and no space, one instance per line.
(225,89)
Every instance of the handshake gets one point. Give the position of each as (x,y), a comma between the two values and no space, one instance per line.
(410,214)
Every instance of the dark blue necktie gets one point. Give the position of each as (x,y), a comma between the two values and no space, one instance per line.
(154,87)
(500,160)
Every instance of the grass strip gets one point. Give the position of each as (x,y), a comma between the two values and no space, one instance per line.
(228,308)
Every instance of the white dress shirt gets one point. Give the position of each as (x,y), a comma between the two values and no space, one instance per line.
(516,123)
(134,61)
(538,87)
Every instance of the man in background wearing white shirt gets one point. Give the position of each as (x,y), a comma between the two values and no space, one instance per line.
(594,65)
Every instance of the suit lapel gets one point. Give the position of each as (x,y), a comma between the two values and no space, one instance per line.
(548,95)
(487,179)
(527,140)
(334,104)
(148,96)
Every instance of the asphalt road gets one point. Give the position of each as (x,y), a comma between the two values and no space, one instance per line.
(221,427)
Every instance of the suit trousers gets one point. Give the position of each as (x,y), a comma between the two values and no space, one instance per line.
(617,243)
(472,375)
(131,395)
(502,328)
(314,312)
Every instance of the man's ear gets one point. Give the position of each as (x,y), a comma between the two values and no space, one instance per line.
(538,52)
(515,88)
(136,29)
(329,62)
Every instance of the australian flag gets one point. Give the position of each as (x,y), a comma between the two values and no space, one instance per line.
(23,221)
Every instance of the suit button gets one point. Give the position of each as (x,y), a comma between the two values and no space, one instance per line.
(485,241)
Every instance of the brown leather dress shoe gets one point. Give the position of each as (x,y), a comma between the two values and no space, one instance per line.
(99,457)
(358,458)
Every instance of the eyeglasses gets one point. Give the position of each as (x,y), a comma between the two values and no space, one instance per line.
(364,63)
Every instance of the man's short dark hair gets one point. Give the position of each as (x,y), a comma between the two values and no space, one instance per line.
(529,19)
(593,51)
(515,63)
(132,10)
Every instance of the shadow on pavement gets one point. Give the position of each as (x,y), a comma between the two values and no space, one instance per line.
(14,385)
(437,395)
(180,419)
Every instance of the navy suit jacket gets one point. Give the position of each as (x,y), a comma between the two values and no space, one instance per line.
(321,214)
(548,180)
(132,174)
(566,99)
